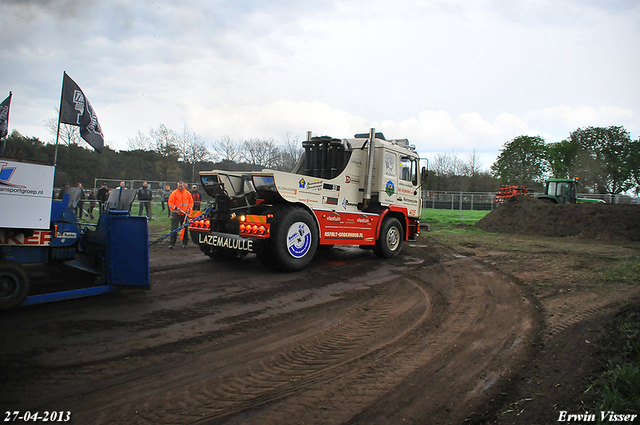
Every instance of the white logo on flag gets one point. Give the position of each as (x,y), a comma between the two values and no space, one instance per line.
(78,100)
(94,125)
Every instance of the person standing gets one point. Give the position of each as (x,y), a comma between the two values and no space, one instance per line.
(180,204)
(120,190)
(103,197)
(80,206)
(197,199)
(145,196)
(63,190)
(165,199)
(92,203)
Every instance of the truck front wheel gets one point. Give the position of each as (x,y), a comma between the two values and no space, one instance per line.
(390,242)
(14,284)
(293,241)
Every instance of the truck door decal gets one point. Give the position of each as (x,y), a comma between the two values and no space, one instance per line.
(346,228)
(390,189)
(390,164)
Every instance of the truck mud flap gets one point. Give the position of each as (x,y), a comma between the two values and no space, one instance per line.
(209,241)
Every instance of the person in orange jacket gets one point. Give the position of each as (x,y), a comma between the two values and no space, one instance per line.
(180,205)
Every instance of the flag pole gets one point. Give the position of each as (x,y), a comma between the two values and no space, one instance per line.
(55,155)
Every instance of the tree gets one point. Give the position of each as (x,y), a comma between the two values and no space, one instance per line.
(605,158)
(522,161)
(472,167)
(21,147)
(69,134)
(193,150)
(289,153)
(227,151)
(165,145)
(635,165)
(259,152)
(477,180)
(140,142)
(562,157)
(447,170)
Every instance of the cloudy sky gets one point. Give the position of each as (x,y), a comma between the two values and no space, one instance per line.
(452,76)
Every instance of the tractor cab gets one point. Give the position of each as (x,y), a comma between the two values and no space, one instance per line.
(563,191)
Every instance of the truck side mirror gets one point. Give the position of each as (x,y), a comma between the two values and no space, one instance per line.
(423,179)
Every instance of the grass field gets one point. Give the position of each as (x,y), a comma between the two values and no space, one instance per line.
(444,219)
(159,224)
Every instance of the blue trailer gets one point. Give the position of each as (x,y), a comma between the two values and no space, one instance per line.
(35,228)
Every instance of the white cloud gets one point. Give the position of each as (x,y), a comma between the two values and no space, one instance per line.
(575,117)
(273,120)
(559,121)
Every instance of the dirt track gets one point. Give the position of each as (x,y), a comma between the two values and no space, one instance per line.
(422,338)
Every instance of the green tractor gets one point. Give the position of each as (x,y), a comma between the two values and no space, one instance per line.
(564,191)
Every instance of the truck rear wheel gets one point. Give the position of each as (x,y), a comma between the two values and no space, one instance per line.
(293,241)
(14,284)
(391,236)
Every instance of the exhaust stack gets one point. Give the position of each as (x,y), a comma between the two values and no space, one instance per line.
(368,178)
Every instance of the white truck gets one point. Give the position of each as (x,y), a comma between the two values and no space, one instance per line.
(359,191)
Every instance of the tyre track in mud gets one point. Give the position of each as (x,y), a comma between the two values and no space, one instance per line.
(409,339)
(306,360)
(425,375)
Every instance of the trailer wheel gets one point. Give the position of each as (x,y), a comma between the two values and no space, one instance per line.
(14,284)
(390,242)
(293,241)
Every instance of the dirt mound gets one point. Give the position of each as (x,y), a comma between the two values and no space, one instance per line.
(526,215)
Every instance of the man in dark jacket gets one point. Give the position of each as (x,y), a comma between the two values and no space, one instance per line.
(196,198)
(103,197)
(145,196)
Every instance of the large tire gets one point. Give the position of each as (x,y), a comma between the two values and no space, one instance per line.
(14,284)
(391,236)
(293,241)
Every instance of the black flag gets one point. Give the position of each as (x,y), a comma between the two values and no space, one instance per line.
(4,116)
(75,109)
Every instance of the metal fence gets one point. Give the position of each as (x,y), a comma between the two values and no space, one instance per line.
(154,185)
(483,201)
